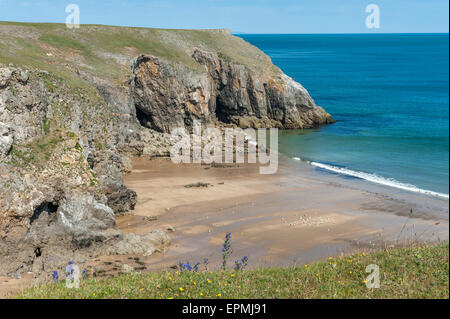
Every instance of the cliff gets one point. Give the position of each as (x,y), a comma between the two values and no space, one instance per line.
(75,104)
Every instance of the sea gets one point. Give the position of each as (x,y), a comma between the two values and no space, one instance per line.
(390,96)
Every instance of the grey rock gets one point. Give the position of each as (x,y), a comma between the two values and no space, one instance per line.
(81,214)
(146,245)
(6,139)
(168,95)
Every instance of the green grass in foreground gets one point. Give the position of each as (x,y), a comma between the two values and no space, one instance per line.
(415,272)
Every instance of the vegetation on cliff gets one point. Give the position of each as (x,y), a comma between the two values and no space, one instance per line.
(75,104)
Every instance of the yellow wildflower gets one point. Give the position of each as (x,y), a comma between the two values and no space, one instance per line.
(181,289)
(219,295)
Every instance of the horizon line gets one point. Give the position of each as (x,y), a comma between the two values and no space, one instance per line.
(337,33)
(233,33)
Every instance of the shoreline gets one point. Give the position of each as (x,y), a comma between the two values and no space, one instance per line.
(276,220)
(372,178)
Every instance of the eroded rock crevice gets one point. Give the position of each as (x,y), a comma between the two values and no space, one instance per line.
(168,95)
(62,153)
(63,150)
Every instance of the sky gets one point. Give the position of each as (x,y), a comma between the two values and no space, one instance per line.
(242,16)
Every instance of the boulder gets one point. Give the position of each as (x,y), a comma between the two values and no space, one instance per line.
(6,139)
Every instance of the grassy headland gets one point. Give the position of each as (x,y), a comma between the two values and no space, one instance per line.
(413,272)
(106,50)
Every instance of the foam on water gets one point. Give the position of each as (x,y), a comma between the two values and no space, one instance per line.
(374,178)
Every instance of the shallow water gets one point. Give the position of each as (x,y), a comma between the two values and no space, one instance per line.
(389,94)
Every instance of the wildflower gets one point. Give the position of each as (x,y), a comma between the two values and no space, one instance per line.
(70,270)
(201,294)
(226,250)
(93,294)
(55,276)
(239,287)
(241,264)
(181,289)
(330,258)
(219,295)
(209,281)
(350,272)
(233,275)
(187,266)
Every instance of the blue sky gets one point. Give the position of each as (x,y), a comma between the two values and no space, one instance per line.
(247,16)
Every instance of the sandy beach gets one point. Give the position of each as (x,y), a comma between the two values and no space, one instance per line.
(298,215)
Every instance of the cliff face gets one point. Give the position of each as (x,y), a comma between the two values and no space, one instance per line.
(168,96)
(72,112)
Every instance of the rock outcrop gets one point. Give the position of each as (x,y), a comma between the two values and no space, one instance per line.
(70,124)
(60,168)
(168,96)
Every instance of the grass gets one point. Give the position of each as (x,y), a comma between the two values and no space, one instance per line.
(35,153)
(26,44)
(413,272)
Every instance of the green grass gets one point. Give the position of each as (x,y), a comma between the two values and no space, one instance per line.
(414,272)
(35,153)
(64,42)
(26,44)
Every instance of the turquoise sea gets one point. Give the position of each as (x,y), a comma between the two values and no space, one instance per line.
(389,94)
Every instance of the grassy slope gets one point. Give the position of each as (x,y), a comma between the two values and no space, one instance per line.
(107,50)
(416,272)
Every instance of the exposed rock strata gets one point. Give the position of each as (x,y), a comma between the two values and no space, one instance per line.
(63,150)
(167,96)
(61,181)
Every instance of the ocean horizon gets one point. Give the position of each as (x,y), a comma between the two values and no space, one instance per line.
(389,95)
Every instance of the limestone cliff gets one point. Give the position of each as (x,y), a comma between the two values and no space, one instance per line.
(168,95)
(75,104)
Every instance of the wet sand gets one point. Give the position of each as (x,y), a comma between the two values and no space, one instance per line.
(298,215)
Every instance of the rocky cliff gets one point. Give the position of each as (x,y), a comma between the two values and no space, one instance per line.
(76,104)
(168,96)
